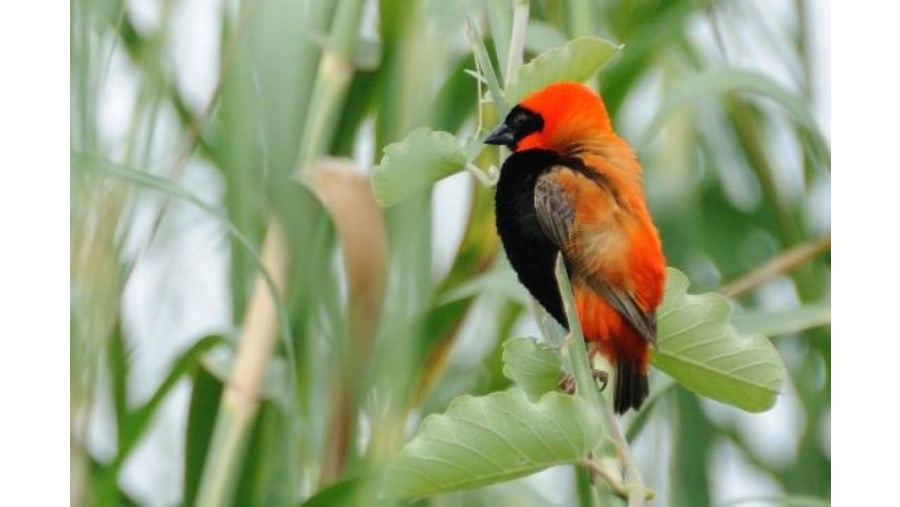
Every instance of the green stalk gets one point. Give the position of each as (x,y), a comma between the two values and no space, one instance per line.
(517,40)
(240,400)
(501,28)
(801,9)
(576,352)
(333,80)
(486,68)
(747,130)
(580,18)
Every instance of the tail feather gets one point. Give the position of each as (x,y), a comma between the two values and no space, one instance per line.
(632,387)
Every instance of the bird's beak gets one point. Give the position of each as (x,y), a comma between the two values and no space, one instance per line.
(502,135)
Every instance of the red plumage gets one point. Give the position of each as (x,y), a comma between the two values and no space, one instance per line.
(583,185)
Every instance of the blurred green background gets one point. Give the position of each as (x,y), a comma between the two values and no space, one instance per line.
(198,133)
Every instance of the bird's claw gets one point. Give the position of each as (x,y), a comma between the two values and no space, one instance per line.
(567,384)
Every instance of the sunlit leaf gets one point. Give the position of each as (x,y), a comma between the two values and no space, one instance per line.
(698,347)
(535,368)
(413,164)
(576,61)
(490,439)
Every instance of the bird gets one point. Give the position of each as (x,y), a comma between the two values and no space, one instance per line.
(573,186)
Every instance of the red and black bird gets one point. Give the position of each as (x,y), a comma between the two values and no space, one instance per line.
(573,186)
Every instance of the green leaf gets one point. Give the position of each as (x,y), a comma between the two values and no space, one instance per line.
(485,66)
(501,281)
(339,493)
(716,82)
(500,20)
(413,164)
(698,347)
(491,439)
(203,411)
(86,163)
(576,61)
(782,322)
(268,474)
(183,365)
(534,367)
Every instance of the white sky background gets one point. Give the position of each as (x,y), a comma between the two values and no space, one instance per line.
(164,313)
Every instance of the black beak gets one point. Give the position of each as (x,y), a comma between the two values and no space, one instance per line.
(502,135)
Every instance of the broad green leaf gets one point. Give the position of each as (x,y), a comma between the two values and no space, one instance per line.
(413,164)
(782,322)
(490,439)
(576,61)
(534,367)
(698,347)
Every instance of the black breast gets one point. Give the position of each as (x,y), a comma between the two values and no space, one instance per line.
(531,254)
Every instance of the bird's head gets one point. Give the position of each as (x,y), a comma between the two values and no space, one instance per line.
(561,117)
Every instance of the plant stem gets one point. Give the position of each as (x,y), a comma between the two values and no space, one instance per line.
(575,349)
(783,263)
(486,67)
(332,82)
(240,400)
(517,40)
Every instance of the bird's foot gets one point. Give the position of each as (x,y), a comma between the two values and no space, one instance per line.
(567,384)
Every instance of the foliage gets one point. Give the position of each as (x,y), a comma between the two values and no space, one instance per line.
(340,335)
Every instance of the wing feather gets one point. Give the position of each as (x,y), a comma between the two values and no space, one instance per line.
(555,207)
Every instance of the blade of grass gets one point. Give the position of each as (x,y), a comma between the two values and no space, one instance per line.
(500,22)
(486,68)
(332,81)
(88,163)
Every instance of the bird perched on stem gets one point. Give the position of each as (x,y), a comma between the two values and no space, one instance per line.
(573,186)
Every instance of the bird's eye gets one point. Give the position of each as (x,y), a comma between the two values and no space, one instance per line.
(523,122)
(519,120)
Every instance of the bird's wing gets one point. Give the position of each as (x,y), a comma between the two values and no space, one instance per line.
(557,192)
(554,206)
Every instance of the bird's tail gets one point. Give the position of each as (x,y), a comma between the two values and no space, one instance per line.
(632,387)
